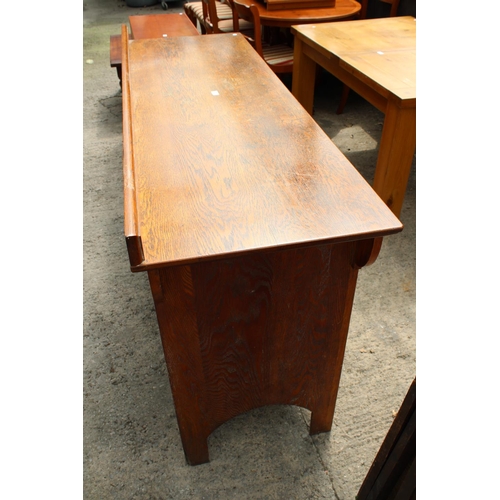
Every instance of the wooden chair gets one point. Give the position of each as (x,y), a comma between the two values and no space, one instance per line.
(215,24)
(362,15)
(196,11)
(394,7)
(279,56)
(364,7)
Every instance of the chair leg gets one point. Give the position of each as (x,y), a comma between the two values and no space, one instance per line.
(119,71)
(343,99)
(394,8)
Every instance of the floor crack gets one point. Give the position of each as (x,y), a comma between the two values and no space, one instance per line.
(325,468)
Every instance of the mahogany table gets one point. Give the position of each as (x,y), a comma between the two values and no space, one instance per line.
(344,9)
(375,58)
(161,25)
(251,225)
(150,26)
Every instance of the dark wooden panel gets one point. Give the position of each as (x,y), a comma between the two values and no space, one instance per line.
(298,4)
(392,475)
(255,330)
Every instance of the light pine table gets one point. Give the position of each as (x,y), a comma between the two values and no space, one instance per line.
(251,226)
(375,58)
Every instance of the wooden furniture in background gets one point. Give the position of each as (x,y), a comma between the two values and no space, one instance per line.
(251,225)
(298,4)
(376,58)
(278,56)
(211,20)
(115,55)
(161,25)
(150,26)
(197,13)
(285,18)
(364,8)
(392,474)
(394,6)
(214,24)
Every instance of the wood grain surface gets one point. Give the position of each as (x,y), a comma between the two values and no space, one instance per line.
(285,18)
(377,59)
(379,52)
(227,162)
(131,221)
(161,25)
(261,329)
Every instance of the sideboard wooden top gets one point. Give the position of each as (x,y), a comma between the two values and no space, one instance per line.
(225,161)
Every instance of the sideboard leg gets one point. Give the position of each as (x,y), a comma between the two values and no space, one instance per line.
(320,422)
(172,287)
(196,450)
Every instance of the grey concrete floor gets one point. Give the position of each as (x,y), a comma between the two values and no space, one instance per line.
(132,447)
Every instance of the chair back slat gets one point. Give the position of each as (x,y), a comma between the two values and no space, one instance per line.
(249,13)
